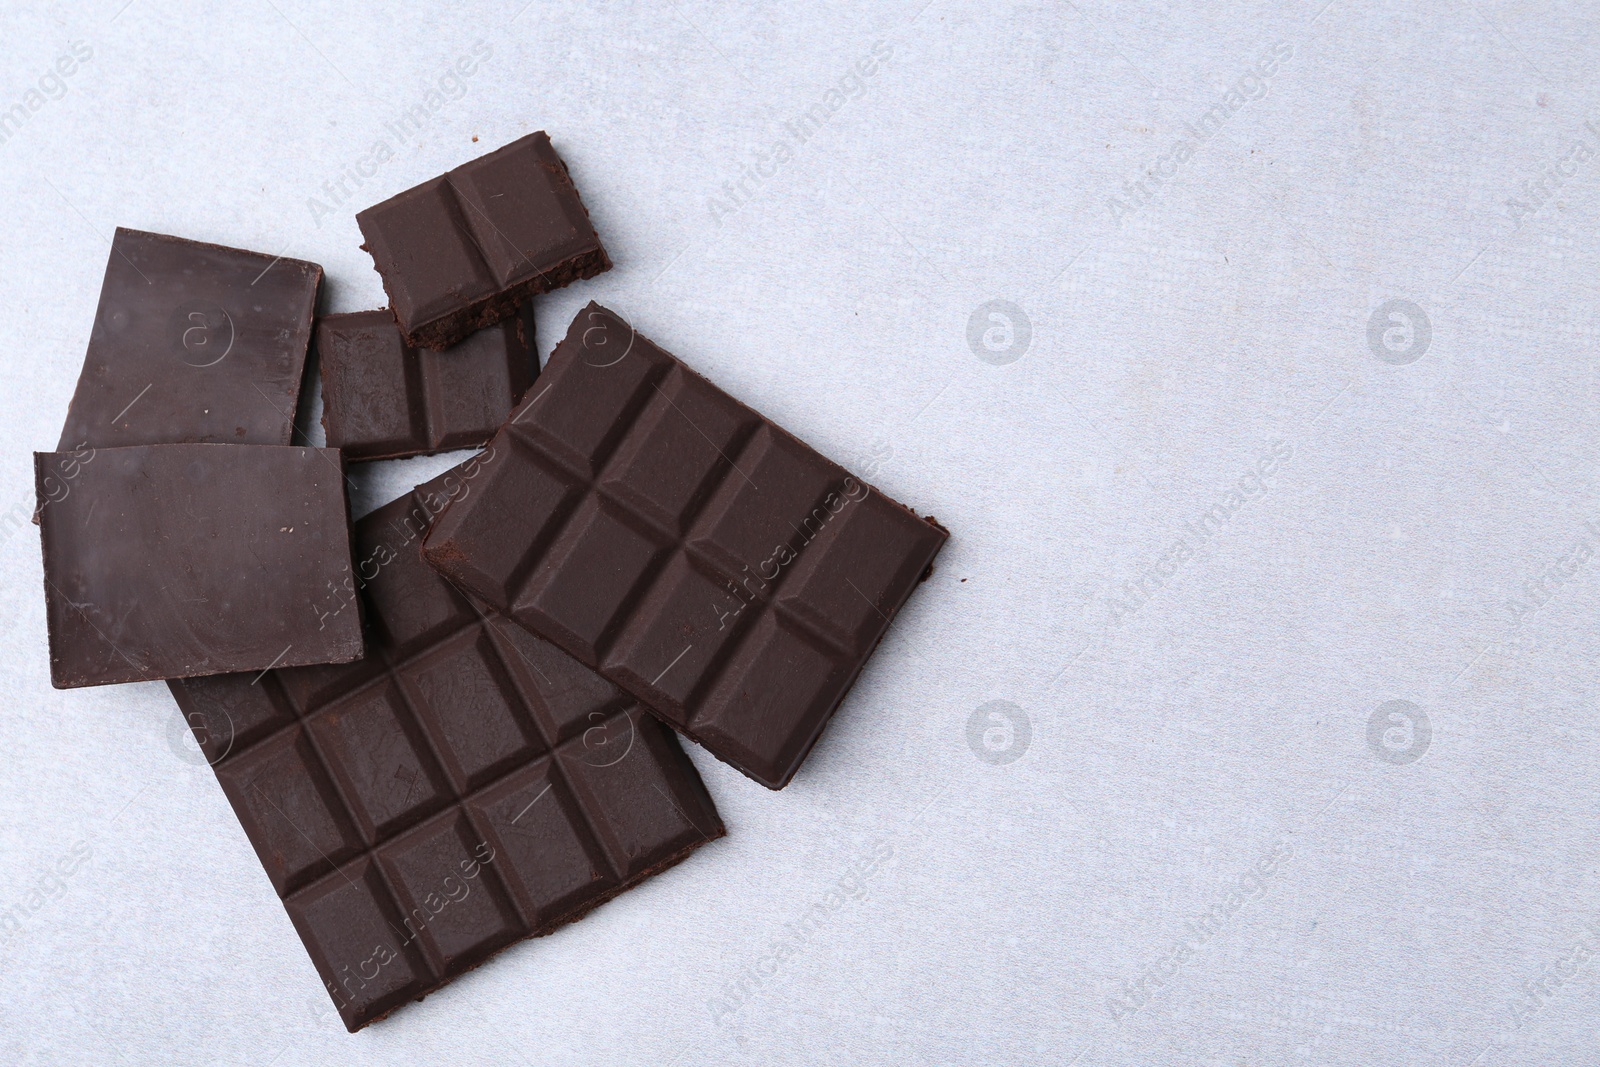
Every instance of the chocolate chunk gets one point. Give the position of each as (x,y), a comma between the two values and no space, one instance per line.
(382,399)
(461,251)
(193,342)
(465,786)
(167,561)
(690,550)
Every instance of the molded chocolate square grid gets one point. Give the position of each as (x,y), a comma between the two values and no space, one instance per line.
(465,786)
(694,553)
(461,251)
(383,399)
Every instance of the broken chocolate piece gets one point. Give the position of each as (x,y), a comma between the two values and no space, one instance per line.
(461,251)
(167,561)
(382,399)
(193,342)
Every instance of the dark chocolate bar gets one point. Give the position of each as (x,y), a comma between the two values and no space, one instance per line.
(167,561)
(382,399)
(690,550)
(193,342)
(465,786)
(461,251)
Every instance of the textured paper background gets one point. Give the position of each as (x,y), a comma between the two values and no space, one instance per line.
(1216,503)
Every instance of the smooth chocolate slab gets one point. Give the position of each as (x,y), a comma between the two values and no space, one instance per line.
(383,399)
(193,342)
(465,786)
(461,251)
(167,561)
(690,550)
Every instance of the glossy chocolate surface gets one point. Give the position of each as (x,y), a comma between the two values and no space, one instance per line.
(691,551)
(462,251)
(168,561)
(463,787)
(193,342)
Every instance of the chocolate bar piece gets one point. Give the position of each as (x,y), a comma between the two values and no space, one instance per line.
(193,342)
(382,399)
(462,251)
(690,550)
(465,786)
(166,561)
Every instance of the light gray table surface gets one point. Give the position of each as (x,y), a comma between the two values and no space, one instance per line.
(1247,350)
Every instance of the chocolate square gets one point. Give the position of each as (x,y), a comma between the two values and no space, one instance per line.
(460,252)
(171,561)
(193,342)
